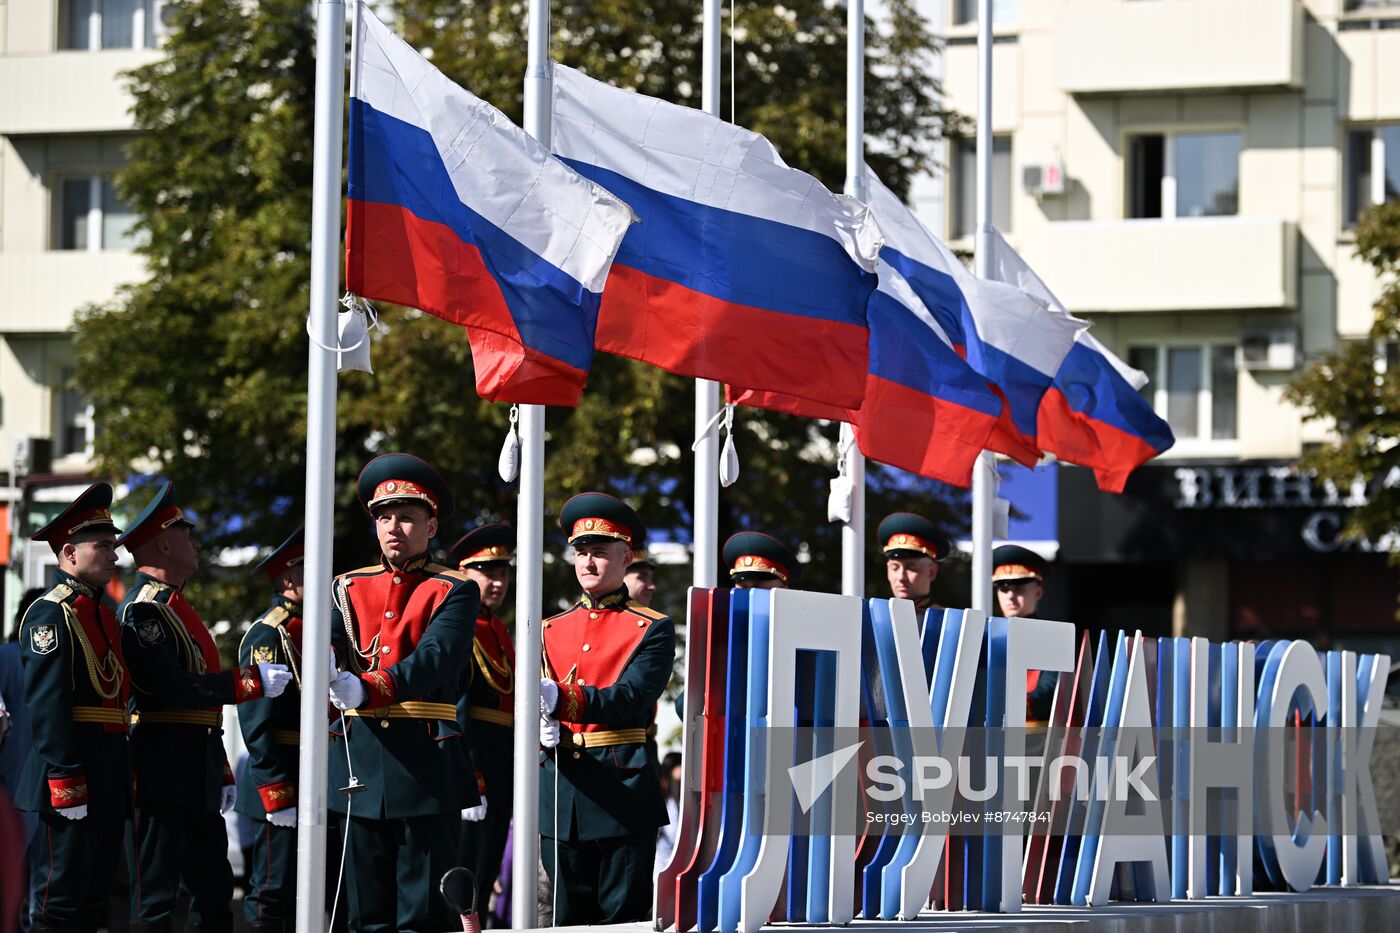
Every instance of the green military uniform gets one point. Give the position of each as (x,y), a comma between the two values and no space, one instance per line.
(600,793)
(75,686)
(905,535)
(406,633)
(271,732)
(487,714)
(177,749)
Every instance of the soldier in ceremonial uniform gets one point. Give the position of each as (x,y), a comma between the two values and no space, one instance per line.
(271,731)
(1018,576)
(913,546)
(487,712)
(757,561)
(403,631)
(183,779)
(607,662)
(77,775)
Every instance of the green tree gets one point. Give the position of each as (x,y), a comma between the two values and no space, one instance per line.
(199,374)
(1360,399)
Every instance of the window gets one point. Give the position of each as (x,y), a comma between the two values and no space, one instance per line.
(73,426)
(90,25)
(1174,175)
(1367,148)
(92,217)
(1003,12)
(964,214)
(1193,386)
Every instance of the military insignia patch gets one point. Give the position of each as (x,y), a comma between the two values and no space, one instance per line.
(263,654)
(149,632)
(43,639)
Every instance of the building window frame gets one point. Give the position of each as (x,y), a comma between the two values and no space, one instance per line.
(99,186)
(964,190)
(145,26)
(65,396)
(963,13)
(1170,158)
(1157,392)
(1376,155)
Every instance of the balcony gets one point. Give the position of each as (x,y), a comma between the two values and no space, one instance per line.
(67,92)
(40,291)
(1201,264)
(1166,46)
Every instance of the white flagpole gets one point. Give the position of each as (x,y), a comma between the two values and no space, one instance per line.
(853,531)
(320,463)
(984,473)
(529,601)
(705,569)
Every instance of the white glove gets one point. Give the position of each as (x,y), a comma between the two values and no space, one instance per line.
(287,817)
(549,732)
(346,691)
(275,678)
(549,696)
(477,813)
(73,813)
(230,795)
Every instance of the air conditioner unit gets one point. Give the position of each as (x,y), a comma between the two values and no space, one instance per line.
(1040,180)
(1274,350)
(30,455)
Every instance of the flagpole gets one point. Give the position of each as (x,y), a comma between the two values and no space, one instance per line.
(984,473)
(320,463)
(529,601)
(705,569)
(853,531)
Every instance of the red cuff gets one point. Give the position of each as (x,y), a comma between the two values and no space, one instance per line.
(67,792)
(279,796)
(247,685)
(228,774)
(480,784)
(380,690)
(571,703)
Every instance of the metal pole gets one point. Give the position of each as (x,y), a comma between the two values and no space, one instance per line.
(707,401)
(320,463)
(525,855)
(853,531)
(984,473)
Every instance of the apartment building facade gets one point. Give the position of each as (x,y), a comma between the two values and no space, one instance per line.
(66,239)
(1186,174)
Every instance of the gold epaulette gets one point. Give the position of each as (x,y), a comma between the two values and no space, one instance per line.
(276,616)
(59,594)
(438,570)
(361,571)
(646,611)
(150,591)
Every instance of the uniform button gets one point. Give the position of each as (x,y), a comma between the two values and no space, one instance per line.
(593,615)
(576,754)
(383,723)
(384,650)
(585,647)
(398,579)
(389,614)
(210,731)
(641,623)
(583,683)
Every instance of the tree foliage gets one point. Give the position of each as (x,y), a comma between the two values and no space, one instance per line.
(1356,390)
(199,373)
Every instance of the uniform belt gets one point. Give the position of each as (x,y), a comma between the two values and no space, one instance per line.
(179,717)
(99,714)
(410,709)
(487,714)
(286,736)
(607,737)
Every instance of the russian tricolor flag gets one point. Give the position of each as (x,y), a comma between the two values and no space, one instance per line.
(925,409)
(1093,414)
(458,212)
(1009,337)
(742,269)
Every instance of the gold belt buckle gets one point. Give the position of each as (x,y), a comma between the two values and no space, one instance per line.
(579,739)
